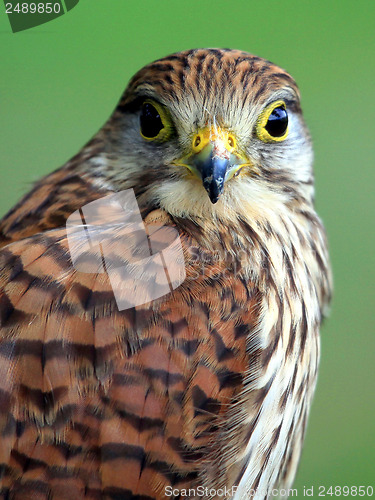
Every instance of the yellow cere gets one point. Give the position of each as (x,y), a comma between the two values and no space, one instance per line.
(262,122)
(167,130)
(207,135)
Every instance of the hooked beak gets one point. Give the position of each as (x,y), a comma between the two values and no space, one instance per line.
(214,159)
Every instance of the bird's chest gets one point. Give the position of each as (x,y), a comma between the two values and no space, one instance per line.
(230,356)
(252,376)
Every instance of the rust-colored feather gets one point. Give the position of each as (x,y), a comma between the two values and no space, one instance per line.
(126,400)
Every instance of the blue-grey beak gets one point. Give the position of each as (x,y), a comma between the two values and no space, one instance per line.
(213,171)
(213,159)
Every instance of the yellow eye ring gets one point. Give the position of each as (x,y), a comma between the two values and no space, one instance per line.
(274,117)
(155,122)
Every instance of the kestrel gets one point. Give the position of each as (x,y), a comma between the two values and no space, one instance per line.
(206,390)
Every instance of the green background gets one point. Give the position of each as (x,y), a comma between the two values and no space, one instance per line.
(60,81)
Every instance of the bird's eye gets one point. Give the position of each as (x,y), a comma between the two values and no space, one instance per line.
(277,122)
(155,123)
(273,123)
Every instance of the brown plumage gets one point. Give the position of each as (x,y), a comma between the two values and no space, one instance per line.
(211,384)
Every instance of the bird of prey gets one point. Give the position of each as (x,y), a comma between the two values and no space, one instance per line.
(206,390)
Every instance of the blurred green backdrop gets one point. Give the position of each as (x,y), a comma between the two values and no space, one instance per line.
(60,81)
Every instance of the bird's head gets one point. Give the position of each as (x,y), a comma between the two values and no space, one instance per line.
(211,131)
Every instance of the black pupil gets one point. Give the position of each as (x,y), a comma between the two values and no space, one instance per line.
(151,123)
(277,122)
